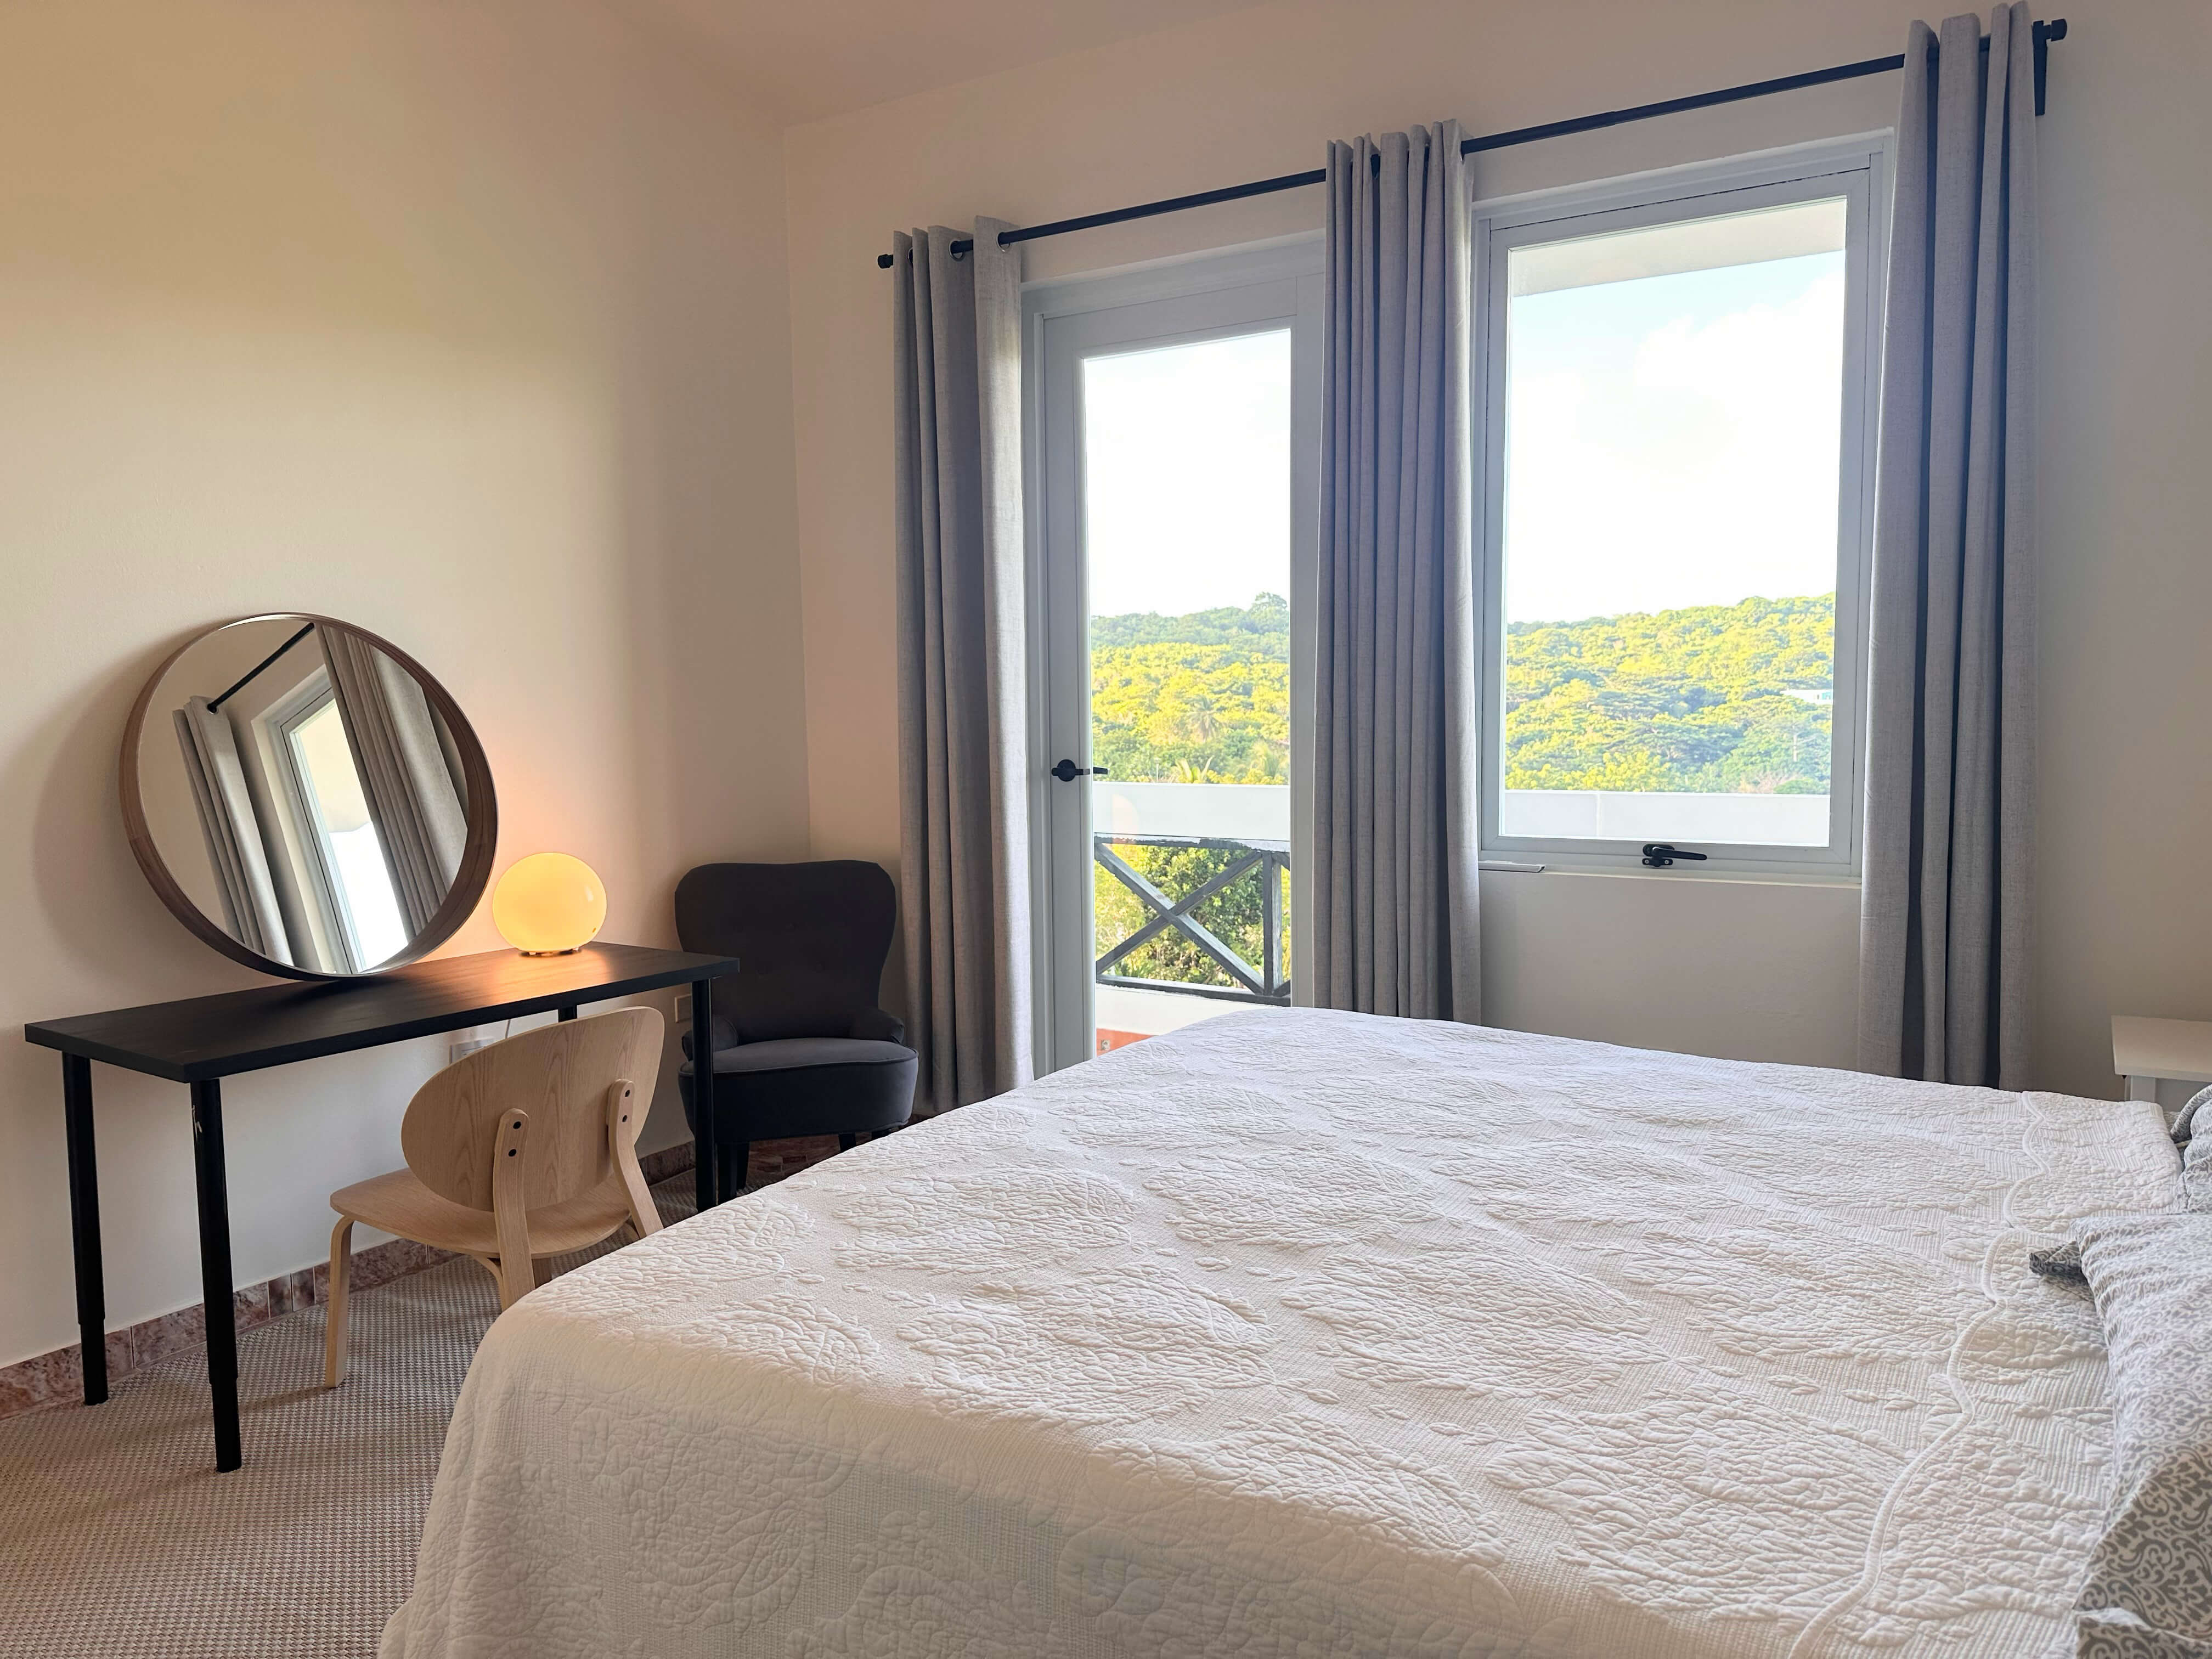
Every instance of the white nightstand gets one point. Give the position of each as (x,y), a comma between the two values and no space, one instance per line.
(2145,1050)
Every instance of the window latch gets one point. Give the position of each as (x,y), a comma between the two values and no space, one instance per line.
(1658,854)
(1067,771)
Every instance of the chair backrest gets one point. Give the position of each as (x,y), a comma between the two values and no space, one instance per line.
(559,1075)
(809,940)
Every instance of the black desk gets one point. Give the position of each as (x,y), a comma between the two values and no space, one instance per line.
(202,1040)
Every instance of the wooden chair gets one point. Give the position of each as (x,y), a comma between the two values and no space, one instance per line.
(523,1150)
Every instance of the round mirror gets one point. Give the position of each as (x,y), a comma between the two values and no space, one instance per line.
(306,798)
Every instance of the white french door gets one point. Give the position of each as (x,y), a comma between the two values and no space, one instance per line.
(1175,446)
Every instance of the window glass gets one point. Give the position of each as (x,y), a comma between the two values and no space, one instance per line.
(352,853)
(1187,556)
(1674,402)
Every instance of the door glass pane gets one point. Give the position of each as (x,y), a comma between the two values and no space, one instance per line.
(351,852)
(1673,441)
(1187,547)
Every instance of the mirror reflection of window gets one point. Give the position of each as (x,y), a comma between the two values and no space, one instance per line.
(352,855)
(315,806)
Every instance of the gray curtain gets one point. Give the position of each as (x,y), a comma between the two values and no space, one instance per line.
(235,849)
(404,777)
(963,683)
(1397,839)
(1943,969)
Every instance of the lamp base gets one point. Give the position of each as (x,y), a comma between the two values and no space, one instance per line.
(570,952)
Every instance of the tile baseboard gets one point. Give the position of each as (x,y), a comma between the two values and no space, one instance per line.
(58,1378)
(668,1161)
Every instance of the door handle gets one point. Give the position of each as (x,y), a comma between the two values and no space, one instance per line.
(1067,771)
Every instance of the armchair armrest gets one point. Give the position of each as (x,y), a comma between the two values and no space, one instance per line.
(877,1026)
(726,1037)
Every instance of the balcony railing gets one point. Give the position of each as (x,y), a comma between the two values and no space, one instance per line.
(1268,862)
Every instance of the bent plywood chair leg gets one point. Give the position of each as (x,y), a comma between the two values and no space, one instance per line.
(516,1278)
(334,1314)
(624,1120)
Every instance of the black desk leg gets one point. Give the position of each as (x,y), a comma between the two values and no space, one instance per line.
(702,1094)
(84,1226)
(568,1012)
(215,1287)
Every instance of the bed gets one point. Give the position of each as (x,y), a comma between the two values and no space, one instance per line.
(1310,1333)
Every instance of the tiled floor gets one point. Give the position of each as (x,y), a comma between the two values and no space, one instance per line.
(117,1540)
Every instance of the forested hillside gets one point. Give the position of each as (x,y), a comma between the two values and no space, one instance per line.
(1711,697)
(1723,698)
(1726,698)
(1199,699)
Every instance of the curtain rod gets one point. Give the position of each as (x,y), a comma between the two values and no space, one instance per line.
(250,674)
(2042,35)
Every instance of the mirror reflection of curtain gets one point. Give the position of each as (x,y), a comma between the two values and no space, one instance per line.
(235,848)
(412,798)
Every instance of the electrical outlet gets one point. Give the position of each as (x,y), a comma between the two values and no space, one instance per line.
(683,1007)
(466,1046)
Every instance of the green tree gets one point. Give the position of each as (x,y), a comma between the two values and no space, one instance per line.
(1232,915)
(1722,698)
(1727,698)
(1204,698)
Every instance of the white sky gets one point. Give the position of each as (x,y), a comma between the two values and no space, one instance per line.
(1186,475)
(1673,440)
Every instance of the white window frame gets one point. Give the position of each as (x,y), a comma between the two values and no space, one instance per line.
(282,719)
(1214,295)
(1856,169)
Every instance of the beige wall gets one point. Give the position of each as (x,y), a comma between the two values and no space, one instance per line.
(2125,918)
(465,323)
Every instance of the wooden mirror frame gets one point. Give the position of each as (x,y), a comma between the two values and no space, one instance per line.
(470,879)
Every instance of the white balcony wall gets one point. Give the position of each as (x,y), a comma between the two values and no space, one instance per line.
(1116,1008)
(1232,811)
(1655,815)
(1256,811)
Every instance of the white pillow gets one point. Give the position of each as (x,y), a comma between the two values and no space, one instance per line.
(2196,1170)
(2184,1126)
(2149,1591)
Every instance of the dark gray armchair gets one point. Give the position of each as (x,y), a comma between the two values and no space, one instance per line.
(800,1046)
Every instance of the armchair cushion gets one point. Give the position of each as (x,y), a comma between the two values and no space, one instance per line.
(877,1026)
(871,1026)
(797,1053)
(806,1086)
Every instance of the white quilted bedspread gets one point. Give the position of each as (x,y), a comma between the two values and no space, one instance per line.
(1313,1333)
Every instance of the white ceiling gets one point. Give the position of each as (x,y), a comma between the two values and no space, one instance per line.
(806,59)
